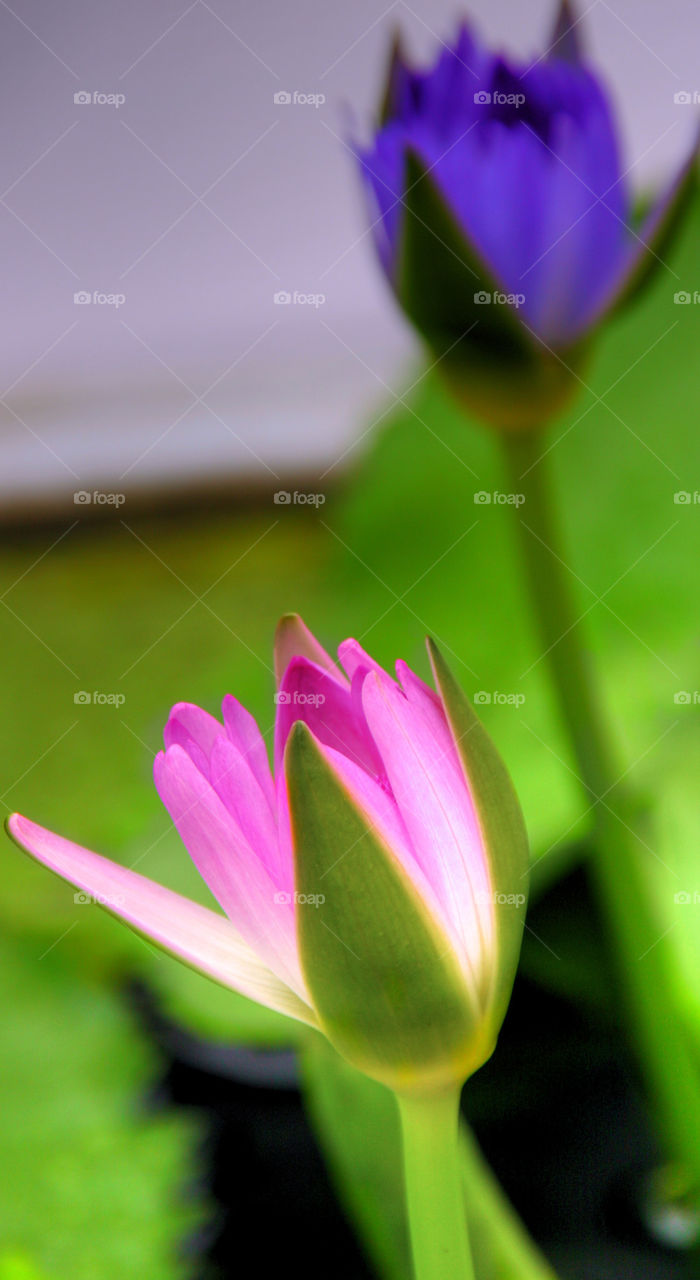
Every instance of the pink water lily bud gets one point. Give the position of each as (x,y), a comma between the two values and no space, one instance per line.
(373,886)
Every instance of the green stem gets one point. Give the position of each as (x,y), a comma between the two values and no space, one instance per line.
(618,852)
(434,1199)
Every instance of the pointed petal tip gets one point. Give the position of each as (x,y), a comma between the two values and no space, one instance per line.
(293,639)
(566,35)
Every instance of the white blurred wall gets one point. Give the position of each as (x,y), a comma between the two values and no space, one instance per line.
(198,198)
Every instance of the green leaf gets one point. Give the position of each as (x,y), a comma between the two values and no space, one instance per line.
(501,822)
(384,981)
(97,1185)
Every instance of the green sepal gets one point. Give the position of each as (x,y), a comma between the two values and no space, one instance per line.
(488,355)
(385,983)
(658,231)
(502,828)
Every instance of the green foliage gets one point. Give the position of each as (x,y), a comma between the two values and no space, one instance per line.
(94,1186)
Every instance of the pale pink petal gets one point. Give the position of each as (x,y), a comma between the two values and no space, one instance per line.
(246,736)
(294,640)
(307,693)
(200,937)
(235,874)
(428,783)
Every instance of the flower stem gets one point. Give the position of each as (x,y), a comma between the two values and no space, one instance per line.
(618,851)
(434,1196)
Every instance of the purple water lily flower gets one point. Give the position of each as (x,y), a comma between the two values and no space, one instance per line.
(503,217)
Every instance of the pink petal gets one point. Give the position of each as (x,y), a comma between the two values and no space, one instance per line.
(235,874)
(235,784)
(284,832)
(428,783)
(200,937)
(194,730)
(246,736)
(294,640)
(354,658)
(307,693)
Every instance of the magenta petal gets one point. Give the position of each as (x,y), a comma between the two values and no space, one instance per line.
(428,783)
(200,937)
(236,784)
(246,736)
(294,640)
(354,658)
(235,874)
(194,730)
(310,694)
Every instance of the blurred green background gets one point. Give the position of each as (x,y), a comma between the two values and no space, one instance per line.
(183,606)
